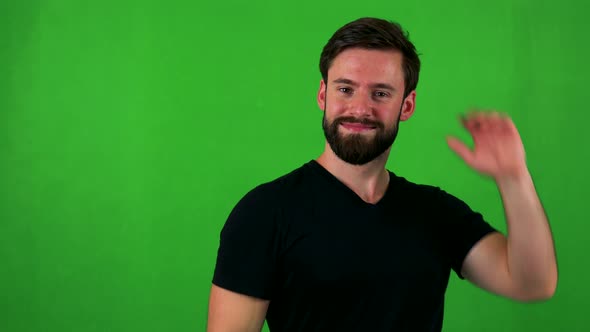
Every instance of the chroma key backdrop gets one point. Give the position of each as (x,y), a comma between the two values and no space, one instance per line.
(130,129)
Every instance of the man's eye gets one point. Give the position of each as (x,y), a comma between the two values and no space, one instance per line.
(380,94)
(344,90)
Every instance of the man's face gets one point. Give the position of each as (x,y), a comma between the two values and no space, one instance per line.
(363,103)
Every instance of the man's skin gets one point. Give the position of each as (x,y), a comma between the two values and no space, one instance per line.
(370,84)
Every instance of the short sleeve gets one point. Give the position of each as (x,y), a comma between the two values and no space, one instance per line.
(463,229)
(246,258)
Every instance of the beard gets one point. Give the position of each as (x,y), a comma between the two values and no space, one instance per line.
(359,149)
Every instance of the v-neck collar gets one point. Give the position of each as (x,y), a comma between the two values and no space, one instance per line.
(336,182)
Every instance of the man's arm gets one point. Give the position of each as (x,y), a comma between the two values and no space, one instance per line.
(523,265)
(233,312)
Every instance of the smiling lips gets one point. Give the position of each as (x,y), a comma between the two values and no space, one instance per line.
(357,127)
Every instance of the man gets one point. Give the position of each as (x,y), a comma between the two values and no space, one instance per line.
(342,244)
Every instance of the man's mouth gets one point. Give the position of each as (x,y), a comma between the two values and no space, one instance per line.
(357,127)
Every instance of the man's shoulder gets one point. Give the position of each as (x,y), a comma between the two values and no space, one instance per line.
(284,187)
(415,189)
(432,196)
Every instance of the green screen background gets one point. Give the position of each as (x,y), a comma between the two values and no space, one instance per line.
(129,129)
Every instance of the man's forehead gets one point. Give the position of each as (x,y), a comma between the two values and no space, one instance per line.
(363,63)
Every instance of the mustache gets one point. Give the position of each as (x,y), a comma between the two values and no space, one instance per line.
(362,121)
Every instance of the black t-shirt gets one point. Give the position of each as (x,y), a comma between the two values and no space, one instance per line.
(328,261)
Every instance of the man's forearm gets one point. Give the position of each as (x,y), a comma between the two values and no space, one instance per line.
(531,252)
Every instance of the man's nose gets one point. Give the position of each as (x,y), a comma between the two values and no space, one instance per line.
(362,105)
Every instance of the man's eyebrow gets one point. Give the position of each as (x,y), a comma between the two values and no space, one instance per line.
(344,81)
(384,86)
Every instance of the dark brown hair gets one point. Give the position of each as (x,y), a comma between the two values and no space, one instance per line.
(377,34)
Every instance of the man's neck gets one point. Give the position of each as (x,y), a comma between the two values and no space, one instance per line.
(368,181)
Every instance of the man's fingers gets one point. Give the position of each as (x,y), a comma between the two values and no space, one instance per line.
(470,123)
(476,121)
(461,149)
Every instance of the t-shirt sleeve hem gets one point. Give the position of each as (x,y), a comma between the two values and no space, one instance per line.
(228,285)
(468,249)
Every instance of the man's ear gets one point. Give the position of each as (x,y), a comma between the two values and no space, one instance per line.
(322,96)
(408,106)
